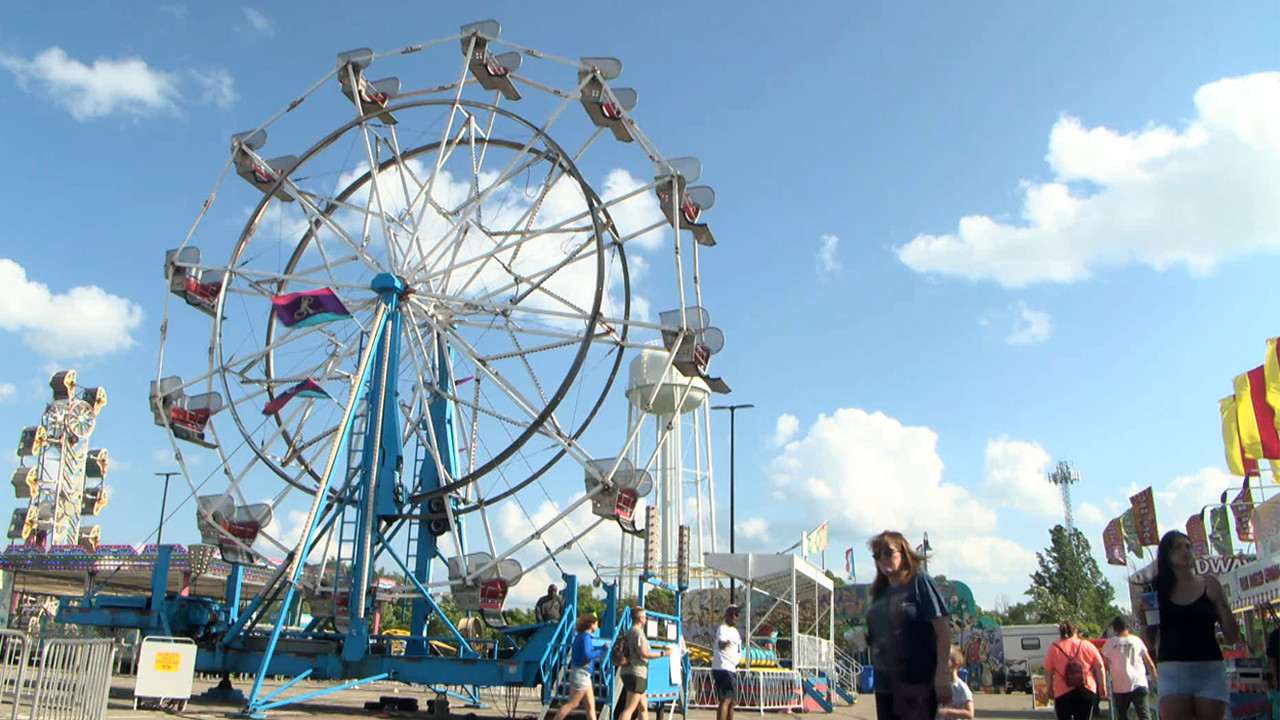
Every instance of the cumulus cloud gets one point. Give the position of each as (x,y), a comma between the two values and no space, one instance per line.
(1162,196)
(827,262)
(216,87)
(84,321)
(1030,327)
(865,472)
(258,21)
(1014,476)
(7,391)
(108,86)
(128,86)
(1089,513)
(755,529)
(1188,494)
(785,429)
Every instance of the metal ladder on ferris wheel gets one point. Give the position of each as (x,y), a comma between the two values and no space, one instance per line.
(348,529)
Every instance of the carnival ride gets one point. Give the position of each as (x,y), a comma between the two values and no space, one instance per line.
(413,332)
(59,475)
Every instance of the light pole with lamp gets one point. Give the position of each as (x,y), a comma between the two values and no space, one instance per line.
(733,413)
(164,500)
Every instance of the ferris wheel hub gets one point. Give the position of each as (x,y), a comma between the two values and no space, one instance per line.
(384,283)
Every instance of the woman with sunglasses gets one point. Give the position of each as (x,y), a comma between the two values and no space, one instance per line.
(909,633)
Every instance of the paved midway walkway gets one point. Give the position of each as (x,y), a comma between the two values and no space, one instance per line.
(350,704)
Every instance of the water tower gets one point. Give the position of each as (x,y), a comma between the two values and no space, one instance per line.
(681,463)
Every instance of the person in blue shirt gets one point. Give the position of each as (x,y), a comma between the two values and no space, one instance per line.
(581,661)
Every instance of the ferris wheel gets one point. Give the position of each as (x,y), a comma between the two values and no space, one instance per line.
(422,318)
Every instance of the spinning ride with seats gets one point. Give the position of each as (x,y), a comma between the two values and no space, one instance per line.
(414,331)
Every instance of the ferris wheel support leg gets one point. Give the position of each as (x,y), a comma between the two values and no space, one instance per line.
(295,562)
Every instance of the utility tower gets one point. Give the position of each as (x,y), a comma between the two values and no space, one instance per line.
(1064,477)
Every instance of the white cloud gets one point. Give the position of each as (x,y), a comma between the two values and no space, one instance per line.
(755,529)
(84,321)
(785,429)
(984,559)
(1089,513)
(1030,327)
(163,457)
(1015,476)
(828,263)
(1187,494)
(107,86)
(1160,196)
(258,21)
(865,472)
(128,86)
(216,87)
(7,391)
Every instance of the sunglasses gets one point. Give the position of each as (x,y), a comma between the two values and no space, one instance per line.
(884,554)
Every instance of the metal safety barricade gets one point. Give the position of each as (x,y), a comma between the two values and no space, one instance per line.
(757,689)
(74,679)
(15,654)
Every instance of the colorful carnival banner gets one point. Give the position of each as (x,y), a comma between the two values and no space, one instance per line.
(815,541)
(1242,511)
(1237,463)
(1144,517)
(1198,535)
(1220,530)
(1255,419)
(1113,542)
(1130,533)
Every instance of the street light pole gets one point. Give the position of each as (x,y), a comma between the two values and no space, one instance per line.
(733,414)
(164,500)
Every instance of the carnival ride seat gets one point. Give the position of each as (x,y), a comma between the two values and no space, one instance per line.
(370,96)
(89,536)
(619,499)
(673,182)
(492,72)
(231,527)
(607,107)
(63,384)
(95,463)
(26,482)
(186,415)
(198,288)
(31,440)
(260,173)
(690,334)
(93,500)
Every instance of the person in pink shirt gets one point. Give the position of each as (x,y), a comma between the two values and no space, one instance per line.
(1075,673)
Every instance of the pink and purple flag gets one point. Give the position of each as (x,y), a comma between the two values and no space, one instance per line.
(307,388)
(309,307)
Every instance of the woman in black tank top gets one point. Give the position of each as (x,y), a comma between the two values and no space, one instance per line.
(1193,678)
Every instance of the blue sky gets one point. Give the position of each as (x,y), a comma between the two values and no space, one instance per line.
(1116,167)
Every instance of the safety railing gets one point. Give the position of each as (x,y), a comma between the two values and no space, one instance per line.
(757,689)
(72,681)
(15,656)
(814,654)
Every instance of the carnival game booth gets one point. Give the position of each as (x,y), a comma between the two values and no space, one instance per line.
(778,671)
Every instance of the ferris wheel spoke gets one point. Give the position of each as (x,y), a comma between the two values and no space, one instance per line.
(324,219)
(375,195)
(465,214)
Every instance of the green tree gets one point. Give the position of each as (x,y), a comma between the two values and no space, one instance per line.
(1069,585)
(588,602)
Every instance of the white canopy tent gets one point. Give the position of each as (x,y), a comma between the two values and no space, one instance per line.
(788,579)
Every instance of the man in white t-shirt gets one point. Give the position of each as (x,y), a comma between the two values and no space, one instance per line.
(1128,662)
(724,663)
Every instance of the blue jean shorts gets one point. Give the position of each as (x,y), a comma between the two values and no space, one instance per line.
(1202,679)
